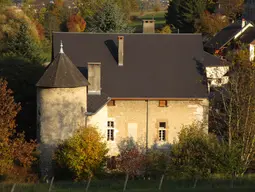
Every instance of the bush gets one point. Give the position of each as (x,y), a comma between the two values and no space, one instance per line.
(83,154)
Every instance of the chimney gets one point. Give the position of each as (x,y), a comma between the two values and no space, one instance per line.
(243,23)
(148,26)
(120,50)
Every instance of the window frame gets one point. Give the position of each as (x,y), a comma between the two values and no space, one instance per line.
(162,131)
(162,105)
(110,131)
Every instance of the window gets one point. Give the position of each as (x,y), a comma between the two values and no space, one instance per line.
(162,131)
(163,103)
(110,131)
(111,103)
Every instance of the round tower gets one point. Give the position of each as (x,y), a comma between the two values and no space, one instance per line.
(61,106)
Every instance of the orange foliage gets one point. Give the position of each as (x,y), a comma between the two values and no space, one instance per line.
(211,23)
(40,30)
(76,23)
(15,152)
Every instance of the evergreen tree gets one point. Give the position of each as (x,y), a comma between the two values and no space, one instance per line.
(23,45)
(109,18)
(183,14)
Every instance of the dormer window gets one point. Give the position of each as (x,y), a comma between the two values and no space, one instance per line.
(94,78)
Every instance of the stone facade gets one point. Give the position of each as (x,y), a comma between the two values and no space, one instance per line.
(60,111)
(131,117)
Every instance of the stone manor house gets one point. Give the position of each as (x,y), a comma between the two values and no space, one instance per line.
(145,86)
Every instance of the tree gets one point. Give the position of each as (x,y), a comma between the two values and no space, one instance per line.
(233,111)
(183,14)
(23,45)
(165,30)
(19,35)
(76,23)
(84,153)
(108,19)
(131,158)
(232,9)
(192,156)
(210,24)
(16,155)
(88,8)
(157,162)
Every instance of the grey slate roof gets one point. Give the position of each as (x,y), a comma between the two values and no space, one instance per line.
(223,37)
(155,65)
(62,73)
(248,36)
(210,60)
(95,102)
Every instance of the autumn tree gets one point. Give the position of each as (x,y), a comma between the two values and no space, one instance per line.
(131,159)
(233,111)
(108,19)
(211,23)
(88,8)
(83,154)
(232,9)
(16,154)
(165,30)
(76,23)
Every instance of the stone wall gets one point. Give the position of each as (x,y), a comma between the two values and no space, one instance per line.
(130,116)
(60,111)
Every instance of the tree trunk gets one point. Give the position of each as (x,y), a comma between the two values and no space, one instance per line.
(51,183)
(126,181)
(13,187)
(161,182)
(195,183)
(88,184)
(232,181)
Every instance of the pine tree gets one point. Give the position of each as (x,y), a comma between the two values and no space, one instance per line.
(109,19)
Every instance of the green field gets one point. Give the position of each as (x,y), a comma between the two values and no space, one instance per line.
(137,185)
(136,19)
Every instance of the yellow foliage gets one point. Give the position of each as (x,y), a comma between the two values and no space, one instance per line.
(10,21)
(83,153)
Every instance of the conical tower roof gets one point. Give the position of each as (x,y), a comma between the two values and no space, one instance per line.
(62,73)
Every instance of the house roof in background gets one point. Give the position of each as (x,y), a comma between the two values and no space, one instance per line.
(248,36)
(210,60)
(224,36)
(62,73)
(155,65)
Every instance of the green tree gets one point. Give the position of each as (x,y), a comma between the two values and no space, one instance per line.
(84,153)
(233,111)
(108,19)
(183,14)
(157,163)
(88,8)
(23,45)
(193,155)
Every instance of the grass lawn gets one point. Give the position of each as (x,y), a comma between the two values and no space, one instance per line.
(137,186)
(136,22)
